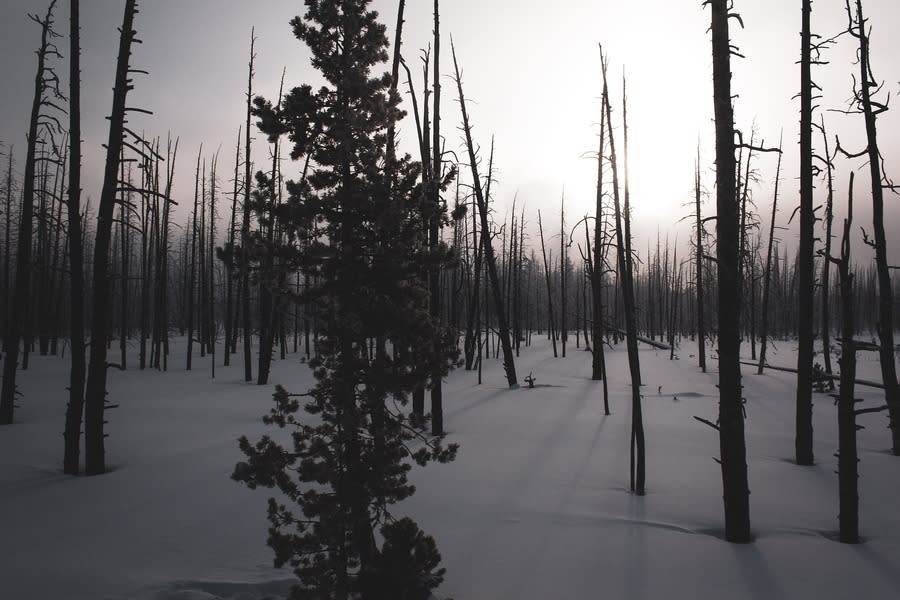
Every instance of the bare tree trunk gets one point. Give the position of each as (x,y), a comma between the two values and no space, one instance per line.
(230,323)
(75,406)
(637,448)
(502,325)
(698,266)
(95,396)
(803,441)
(885,292)
(245,227)
(767,276)
(826,264)
(563,267)
(848,461)
(598,266)
(434,287)
(736,493)
(192,268)
(19,309)
(550,314)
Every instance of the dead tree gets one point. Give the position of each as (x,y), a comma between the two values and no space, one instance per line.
(192,261)
(736,493)
(434,227)
(598,263)
(95,393)
(848,461)
(75,406)
(551,329)
(767,276)
(45,85)
(245,225)
(563,268)
(826,264)
(230,322)
(803,441)
(624,275)
(870,109)
(698,267)
(502,325)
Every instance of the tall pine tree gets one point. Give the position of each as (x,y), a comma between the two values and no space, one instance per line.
(356,222)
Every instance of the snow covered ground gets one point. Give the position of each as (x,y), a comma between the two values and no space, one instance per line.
(535,507)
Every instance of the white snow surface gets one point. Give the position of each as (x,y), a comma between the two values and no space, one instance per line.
(536,506)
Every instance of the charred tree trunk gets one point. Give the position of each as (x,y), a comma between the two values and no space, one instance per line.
(637,449)
(192,261)
(736,493)
(550,315)
(698,266)
(826,264)
(848,461)
(230,323)
(75,407)
(803,441)
(502,325)
(245,227)
(870,110)
(434,278)
(19,309)
(767,276)
(95,396)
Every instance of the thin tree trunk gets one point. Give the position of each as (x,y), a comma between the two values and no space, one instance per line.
(502,325)
(551,321)
(18,313)
(736,493)
(245,227)
(848,461)
(767,276)
(698,266)
(803,441)
(75,406)
(638,451)
(885,291)
(95,396)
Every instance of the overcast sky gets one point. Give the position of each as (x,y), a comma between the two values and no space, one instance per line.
(531,69)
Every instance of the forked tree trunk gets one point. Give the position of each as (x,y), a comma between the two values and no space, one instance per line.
(95,396)
(736,493)
(637,446)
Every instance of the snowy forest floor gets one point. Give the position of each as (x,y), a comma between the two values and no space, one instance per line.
(535,507)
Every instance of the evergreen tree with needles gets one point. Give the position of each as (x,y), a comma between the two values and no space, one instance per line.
(354,226)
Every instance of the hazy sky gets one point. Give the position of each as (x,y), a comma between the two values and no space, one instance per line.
(530,68)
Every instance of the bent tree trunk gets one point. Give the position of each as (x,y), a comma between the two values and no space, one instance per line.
(95,396)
